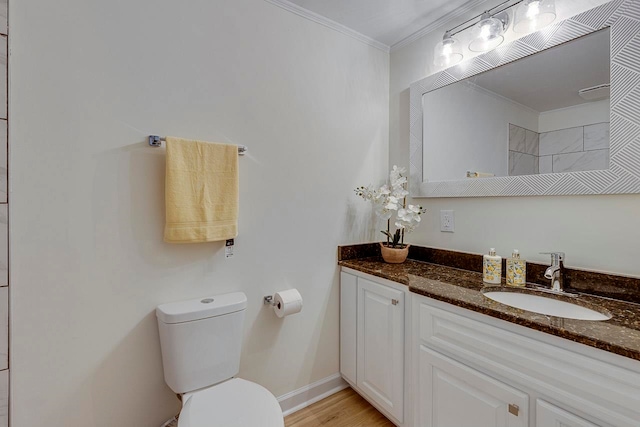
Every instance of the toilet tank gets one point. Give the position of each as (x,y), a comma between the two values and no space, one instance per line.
(201,340)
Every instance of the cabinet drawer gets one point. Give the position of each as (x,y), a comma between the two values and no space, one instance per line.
(599,389)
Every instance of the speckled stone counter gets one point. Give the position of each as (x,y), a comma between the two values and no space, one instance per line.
(620,334)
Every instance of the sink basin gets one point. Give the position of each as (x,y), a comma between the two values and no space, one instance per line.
(545,305)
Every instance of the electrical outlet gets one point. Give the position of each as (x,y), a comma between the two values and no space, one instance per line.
(447,222)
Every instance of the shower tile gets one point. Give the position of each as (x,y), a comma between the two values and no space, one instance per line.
(545,164)
(517,138)
(4,330)
(4,246)
(3,161)
(522,164)
(561,141)
(4,398)
(3,16)
(523,140)
(596,137)
(3,77)
(532,142)
(584,161)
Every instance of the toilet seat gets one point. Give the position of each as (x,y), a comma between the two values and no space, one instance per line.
(233,403)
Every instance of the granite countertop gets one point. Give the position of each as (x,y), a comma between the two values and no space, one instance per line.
(620,334)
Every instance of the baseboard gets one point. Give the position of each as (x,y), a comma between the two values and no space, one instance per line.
(305,396)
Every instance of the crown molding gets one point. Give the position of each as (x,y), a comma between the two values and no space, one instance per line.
(438,23)
(312,16)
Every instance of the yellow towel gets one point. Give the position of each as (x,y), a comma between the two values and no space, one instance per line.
(201,191)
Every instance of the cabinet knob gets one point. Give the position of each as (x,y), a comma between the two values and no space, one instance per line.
(514,409)
(394,301)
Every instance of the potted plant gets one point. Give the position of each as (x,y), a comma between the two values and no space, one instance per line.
(390,200)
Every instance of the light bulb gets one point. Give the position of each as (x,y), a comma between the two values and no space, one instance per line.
(447,49)
(485,31)
(532,15)
(448,52)
(533,10)
(487,34)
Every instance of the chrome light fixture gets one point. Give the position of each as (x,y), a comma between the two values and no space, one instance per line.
(489,27)
(531,15)
(448,52)
(488,32)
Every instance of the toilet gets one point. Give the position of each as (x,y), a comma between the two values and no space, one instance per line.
(201,341)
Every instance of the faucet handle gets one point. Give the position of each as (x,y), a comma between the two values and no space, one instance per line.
(556,257)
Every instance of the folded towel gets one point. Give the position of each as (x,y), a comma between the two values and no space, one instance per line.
(201,191)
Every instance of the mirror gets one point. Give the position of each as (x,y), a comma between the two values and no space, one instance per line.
(534,117)
(546,113)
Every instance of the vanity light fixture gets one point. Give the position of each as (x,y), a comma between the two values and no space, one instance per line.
(531,15)
(489,28)
(448,52)
(488,32)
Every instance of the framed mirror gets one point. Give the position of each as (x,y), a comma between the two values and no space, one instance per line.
(556,112)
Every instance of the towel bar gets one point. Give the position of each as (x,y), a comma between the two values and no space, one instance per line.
(156,141)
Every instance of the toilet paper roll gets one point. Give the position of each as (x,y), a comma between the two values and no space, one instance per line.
(287,302)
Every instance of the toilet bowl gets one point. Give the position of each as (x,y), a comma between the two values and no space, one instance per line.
(234,403)
(201,341)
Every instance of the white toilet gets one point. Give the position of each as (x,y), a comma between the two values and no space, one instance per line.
(201,341)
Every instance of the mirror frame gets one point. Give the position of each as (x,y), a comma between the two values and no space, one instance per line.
(623,175)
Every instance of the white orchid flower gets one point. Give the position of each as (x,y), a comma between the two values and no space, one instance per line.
(397,171)
(383,213)
(392,203)
(398,182)
(390,199)
(400,193)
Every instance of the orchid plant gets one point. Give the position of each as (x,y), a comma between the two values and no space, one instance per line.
(391,199)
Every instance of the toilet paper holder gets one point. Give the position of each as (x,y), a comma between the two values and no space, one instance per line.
(268,300)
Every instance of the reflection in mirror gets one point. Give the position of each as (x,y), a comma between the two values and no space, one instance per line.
(545,113)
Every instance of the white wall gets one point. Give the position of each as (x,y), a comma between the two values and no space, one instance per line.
(576,116)
(596,232)
(89,81)
(466,128)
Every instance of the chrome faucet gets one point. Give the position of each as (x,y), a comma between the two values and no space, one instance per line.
(555,272)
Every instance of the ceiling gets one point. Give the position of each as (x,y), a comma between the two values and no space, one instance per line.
(385,21)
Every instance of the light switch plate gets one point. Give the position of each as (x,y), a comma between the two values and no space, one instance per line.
(447,221)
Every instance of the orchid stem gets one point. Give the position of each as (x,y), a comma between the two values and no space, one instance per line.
(388,228)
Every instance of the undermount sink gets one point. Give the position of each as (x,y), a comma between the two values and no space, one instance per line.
(545,305)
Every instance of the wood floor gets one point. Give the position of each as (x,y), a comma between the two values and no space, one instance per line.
(343,409)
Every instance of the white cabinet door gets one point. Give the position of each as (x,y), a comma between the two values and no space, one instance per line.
(348,310)
(454,395)
(548,415)
(381,345)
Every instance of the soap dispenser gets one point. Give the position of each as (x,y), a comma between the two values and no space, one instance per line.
(516,270)
(492,268)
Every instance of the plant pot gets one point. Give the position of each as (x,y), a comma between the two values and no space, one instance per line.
(394,255)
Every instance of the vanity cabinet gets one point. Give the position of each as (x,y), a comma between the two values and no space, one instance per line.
(427,363)
(452,394)
(372,341)
(473,369)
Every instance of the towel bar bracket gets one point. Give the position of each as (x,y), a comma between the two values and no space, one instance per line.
(154,141)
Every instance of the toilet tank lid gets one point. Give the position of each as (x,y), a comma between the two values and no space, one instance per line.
(201,308)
